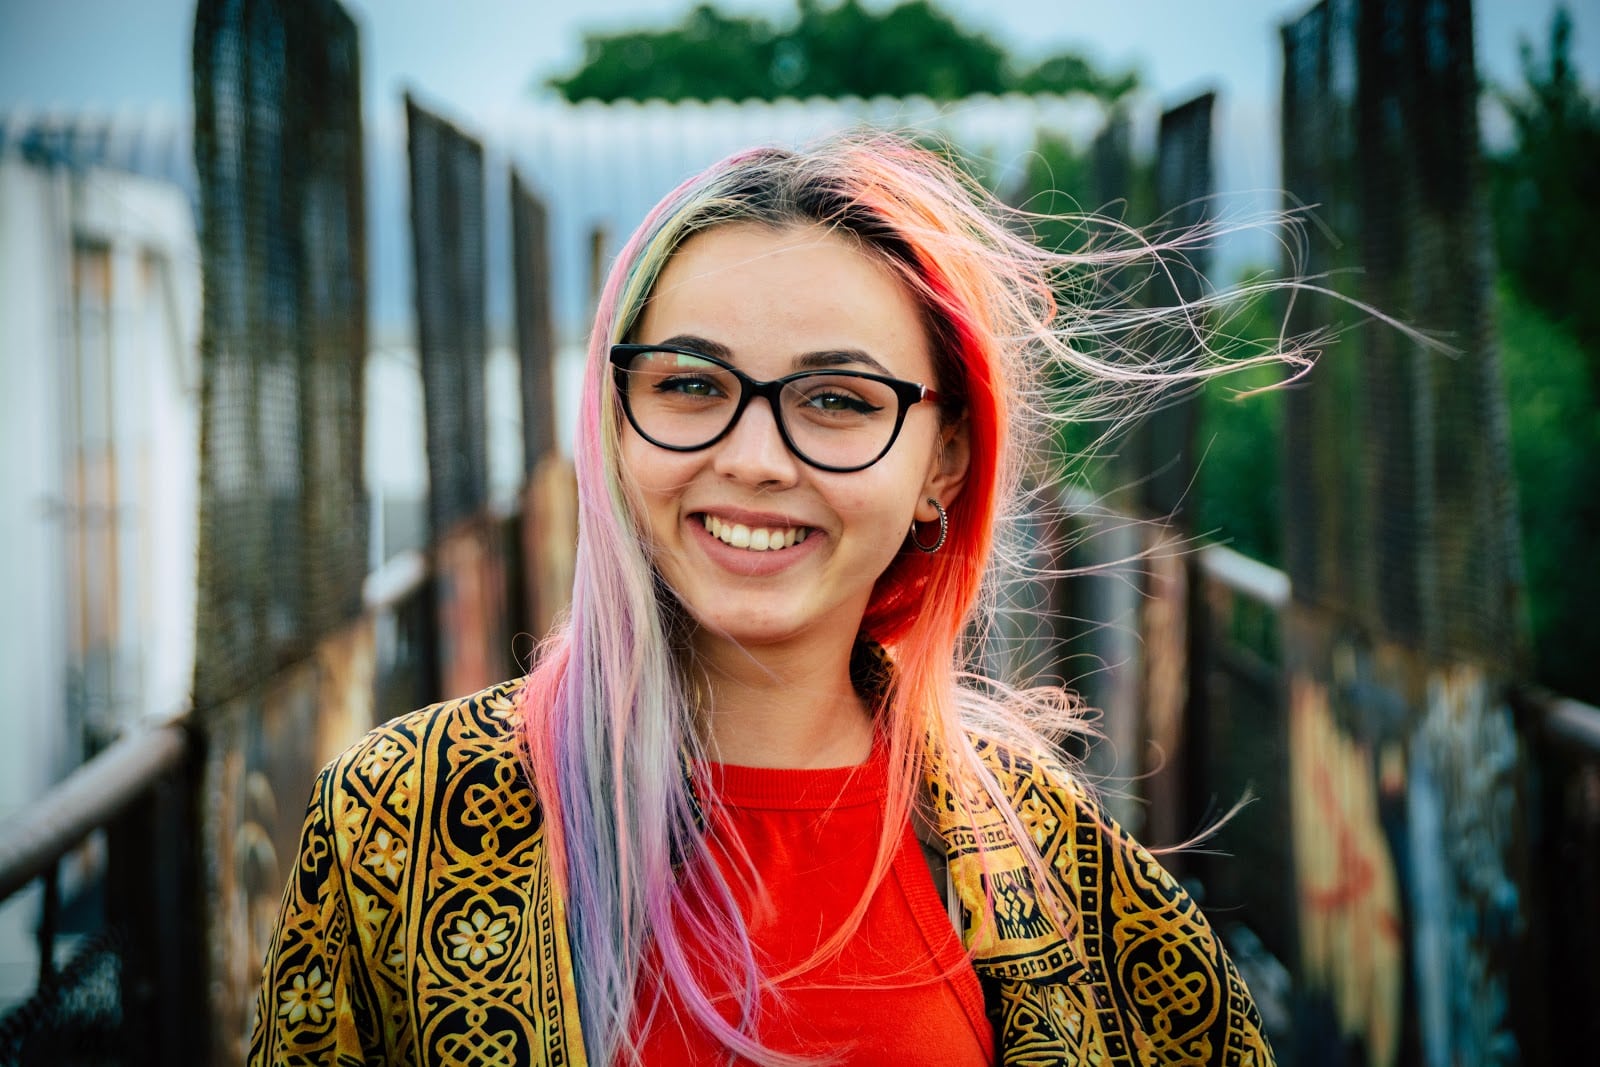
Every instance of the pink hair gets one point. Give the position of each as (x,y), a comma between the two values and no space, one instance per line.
(609,689)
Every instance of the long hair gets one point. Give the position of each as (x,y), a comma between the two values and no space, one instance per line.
(609,720)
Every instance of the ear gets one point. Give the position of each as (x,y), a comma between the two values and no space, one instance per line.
(947,472)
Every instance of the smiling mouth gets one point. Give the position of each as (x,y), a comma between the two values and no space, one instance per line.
(754,538)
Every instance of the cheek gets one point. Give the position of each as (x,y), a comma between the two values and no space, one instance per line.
(881,512)
(653,478)
(650,469)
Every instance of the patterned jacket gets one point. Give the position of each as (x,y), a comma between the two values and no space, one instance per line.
(421,926)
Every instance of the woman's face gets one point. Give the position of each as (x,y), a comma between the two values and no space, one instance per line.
(771,303)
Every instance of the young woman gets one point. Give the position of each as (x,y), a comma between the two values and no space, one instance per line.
(748,807)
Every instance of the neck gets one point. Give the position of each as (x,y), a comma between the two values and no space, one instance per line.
(777,707)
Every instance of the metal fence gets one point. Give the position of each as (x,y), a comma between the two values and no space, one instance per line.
(117,983)
(279,155)
(448,256)
(1367,887)
(1407,769)
(1401,509)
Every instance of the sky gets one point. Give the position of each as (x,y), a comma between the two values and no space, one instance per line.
(479,62)
(481,58)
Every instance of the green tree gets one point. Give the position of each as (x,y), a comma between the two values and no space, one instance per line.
(1546,223)
(844,50)
(1555,452)
(710,55)
(1546,211)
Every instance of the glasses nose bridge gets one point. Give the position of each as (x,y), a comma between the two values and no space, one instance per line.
(771,391)
(751,390)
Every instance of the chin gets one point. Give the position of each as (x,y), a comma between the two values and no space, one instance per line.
(745,635)
(753,628)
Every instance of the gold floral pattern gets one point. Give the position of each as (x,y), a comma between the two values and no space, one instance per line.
(377,760)
(307,995)
(1037,820)
(386,855)
(478,938)
(426,931)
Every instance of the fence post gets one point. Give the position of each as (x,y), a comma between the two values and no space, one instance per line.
(154,903)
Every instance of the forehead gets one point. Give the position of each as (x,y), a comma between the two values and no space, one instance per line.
(772,295)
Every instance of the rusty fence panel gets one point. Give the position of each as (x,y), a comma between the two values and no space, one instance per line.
(278,153)
(1327,509)
(449,259)
(278,149)
(531,280)
(549,529)
(1184,186)
(1408,773)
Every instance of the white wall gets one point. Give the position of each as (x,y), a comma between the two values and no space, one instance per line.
(34,268)
(99,462)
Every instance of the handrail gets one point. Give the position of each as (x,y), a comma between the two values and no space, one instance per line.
(1251,578)
(1564,719)
(34,838)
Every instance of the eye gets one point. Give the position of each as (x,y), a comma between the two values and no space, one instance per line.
(834,400)
(837,398)
(695,385)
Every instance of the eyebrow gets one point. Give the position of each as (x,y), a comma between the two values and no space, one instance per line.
(821,360)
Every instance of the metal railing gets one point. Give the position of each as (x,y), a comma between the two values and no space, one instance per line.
(1240,746)
(126,991)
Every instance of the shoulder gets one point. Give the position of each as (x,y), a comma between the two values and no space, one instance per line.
(1100,865)
(1157,970)
(385,795)
(1042,789)
(417,809)
(438,741)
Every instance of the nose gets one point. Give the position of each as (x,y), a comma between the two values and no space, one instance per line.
(754,451)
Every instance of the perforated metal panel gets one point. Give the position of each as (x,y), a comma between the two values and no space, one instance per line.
(447,233)
(279,157)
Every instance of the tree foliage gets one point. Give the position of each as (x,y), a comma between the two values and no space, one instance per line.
(1555,452)
(844,50)
(1547,222)
(1546,211)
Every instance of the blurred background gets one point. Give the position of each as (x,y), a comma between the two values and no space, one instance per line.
(293,301)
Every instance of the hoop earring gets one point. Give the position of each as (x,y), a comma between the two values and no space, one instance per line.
(944,530)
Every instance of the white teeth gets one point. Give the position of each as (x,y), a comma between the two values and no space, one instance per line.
(757,539)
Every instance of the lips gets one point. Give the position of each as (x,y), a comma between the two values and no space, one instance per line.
(753,538)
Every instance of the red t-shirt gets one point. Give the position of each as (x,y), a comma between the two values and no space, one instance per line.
(901,992)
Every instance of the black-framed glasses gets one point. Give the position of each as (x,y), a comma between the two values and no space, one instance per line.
(835,420)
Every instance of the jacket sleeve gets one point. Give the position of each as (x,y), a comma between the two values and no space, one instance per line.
(1141,979)
(1165,966)
(314,1003)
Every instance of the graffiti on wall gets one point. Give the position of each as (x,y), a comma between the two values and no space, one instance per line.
(263,751)
(1351,945)
(1461,802)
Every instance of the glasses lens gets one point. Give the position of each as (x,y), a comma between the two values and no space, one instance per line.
(839,420)
(680,400)
(833,419)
